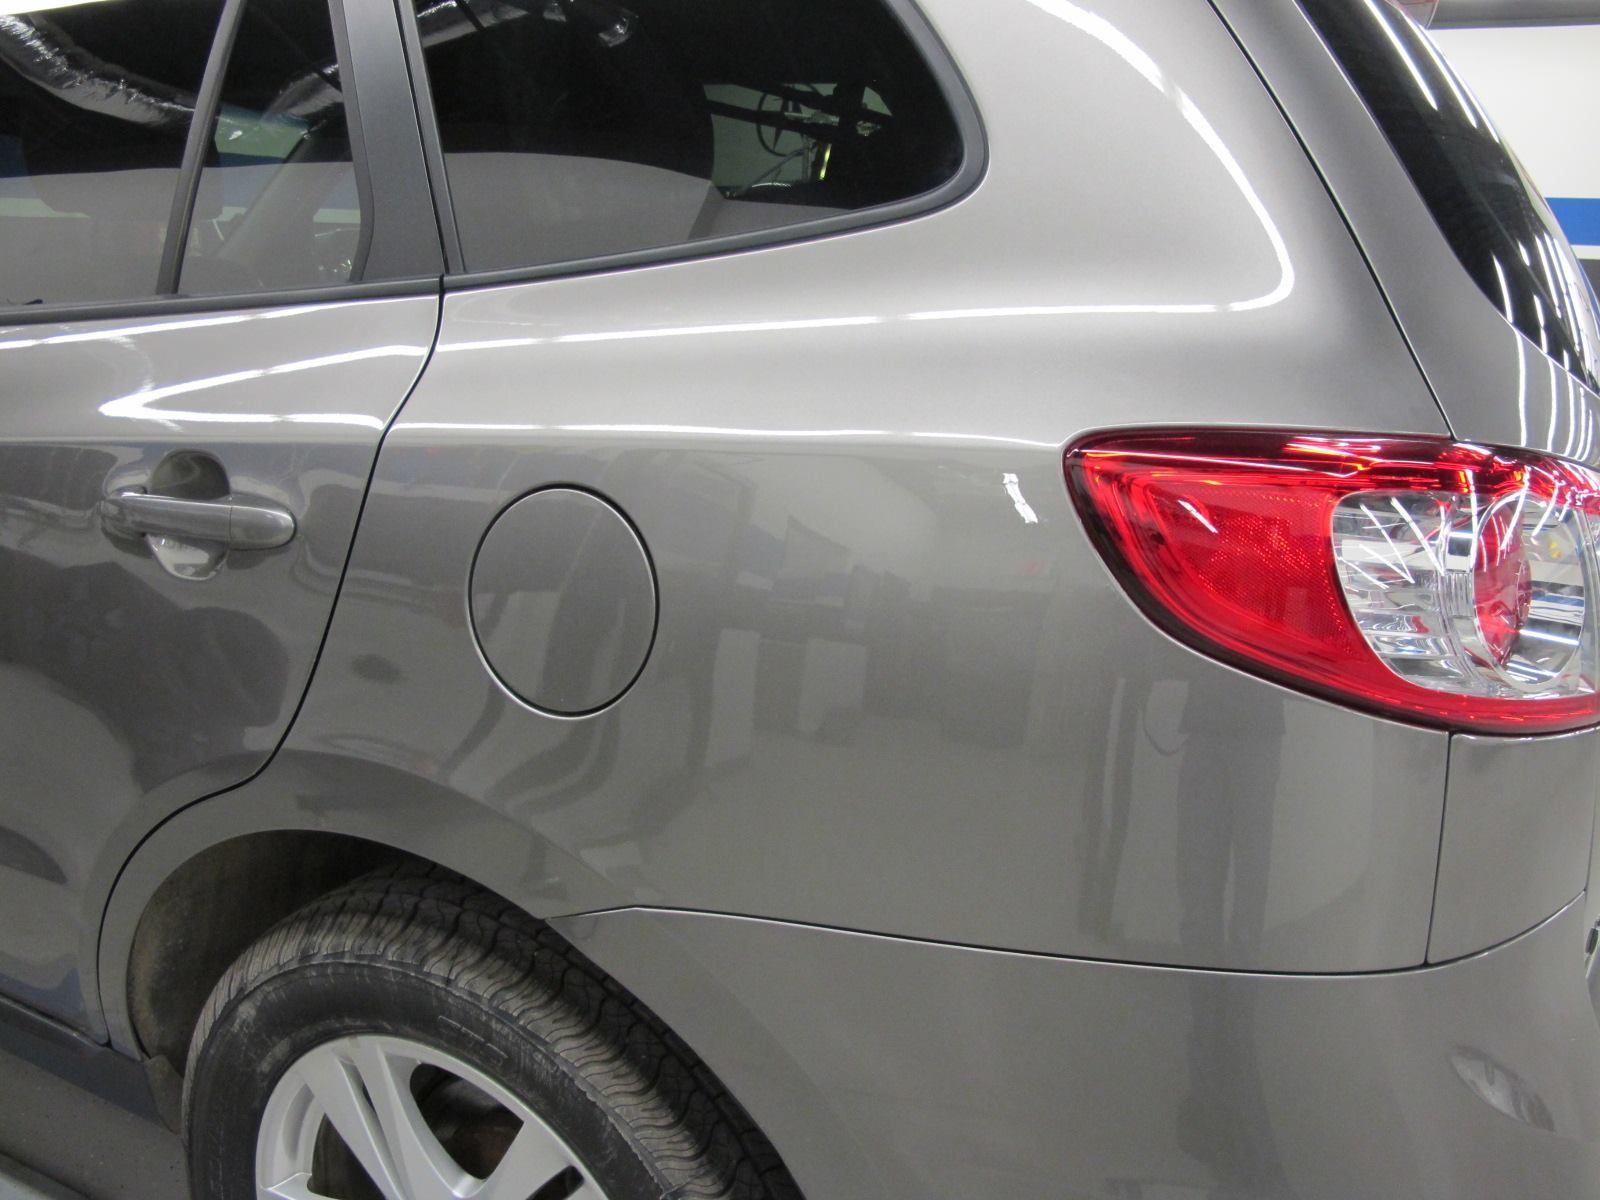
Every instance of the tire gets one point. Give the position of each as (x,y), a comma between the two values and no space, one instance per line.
(412,983)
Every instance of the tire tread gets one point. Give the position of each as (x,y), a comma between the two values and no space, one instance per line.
(426,920)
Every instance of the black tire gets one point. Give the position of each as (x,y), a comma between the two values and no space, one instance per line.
(417,953)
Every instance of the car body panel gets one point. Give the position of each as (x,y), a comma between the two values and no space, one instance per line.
(130,692)
(1519,818)
(1493,384)
(963,877)
(345,794)
(867,700)
(888,1068)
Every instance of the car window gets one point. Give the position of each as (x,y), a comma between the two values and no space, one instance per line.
(277,204)
(1493,217)
(96,100)
(573,129)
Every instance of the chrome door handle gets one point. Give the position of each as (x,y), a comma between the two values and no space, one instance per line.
(236,523)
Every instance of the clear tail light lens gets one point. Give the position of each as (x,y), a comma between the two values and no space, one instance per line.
(1424,579)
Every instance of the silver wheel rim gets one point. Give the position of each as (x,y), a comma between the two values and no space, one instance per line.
(360,1090)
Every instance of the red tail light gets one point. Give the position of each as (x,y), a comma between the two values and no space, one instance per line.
(1423,579)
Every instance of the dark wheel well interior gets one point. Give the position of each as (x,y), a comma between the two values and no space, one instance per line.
(214,906)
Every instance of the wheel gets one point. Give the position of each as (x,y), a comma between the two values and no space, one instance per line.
(413,1038)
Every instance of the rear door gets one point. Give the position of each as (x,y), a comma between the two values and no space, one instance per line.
(218,281)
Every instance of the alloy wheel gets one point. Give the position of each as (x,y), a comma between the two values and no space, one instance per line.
(382,1118)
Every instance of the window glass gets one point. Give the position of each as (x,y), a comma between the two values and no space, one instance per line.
(277,205)
(95,103)
(1494,218)
(573,129)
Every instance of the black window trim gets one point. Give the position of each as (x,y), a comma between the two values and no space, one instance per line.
(408,260)
(358,142)
(924,38)
(432,149)
(199,136)
(400,238)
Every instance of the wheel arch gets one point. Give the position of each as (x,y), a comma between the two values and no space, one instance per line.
(216,875)
(337,816)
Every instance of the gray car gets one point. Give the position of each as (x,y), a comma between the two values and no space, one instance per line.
(773,598)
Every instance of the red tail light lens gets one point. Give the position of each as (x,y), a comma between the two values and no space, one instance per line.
(1424,579)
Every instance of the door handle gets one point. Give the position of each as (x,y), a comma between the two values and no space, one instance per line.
(232,522)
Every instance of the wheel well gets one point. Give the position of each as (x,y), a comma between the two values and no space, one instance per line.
(212,908)
(217,904)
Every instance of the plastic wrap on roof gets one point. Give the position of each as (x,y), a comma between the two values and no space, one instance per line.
(45,56)
(446,20)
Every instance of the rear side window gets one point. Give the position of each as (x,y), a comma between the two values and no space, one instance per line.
(576,129)
(1493,217)
(95,103)
(277,205)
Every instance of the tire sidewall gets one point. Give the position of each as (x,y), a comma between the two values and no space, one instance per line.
(281,1018)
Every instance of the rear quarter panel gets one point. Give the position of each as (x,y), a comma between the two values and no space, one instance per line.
(892,687)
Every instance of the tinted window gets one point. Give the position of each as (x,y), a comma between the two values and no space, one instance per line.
(95,103)
(277,205)
(1495,220)
(578,128)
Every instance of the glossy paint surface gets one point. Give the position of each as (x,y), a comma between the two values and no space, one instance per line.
(128,691)
(1494,384)
(1518,821)
(563,601)
(893,687)
(890,1069)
